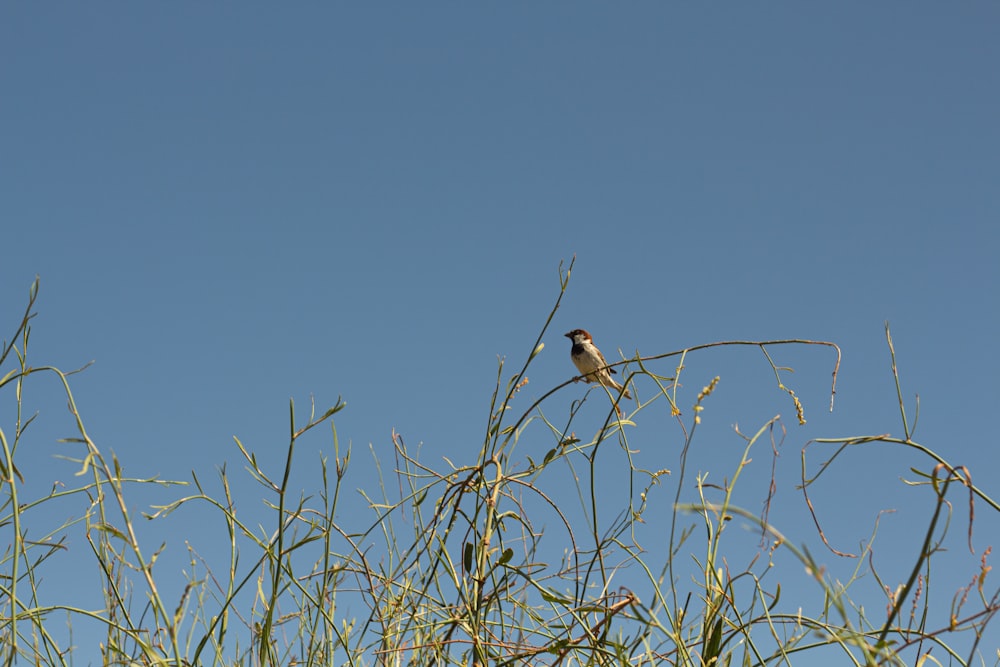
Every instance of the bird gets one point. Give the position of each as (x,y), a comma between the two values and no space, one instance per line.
(590,362)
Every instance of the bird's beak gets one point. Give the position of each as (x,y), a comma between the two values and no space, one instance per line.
(568,335)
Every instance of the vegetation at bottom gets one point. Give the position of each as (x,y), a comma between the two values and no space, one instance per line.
(521,555)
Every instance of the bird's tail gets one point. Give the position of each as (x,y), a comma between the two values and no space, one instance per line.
(619,388)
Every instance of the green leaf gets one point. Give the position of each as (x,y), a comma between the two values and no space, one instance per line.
(470,551)
(777,596)
(713,642)
(108,528)
(550,596)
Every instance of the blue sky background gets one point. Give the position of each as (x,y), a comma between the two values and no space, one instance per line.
(230,206)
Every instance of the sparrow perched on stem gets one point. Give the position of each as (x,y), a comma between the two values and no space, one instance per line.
(590,362)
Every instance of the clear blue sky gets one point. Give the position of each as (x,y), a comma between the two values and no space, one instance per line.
(232,205)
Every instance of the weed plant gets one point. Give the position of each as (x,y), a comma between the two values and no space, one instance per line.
(496,560)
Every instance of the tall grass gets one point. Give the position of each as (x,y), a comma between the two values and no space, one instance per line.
(507,559)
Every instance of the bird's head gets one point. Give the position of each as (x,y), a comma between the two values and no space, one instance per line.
(579,336)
